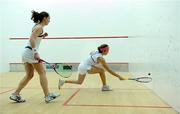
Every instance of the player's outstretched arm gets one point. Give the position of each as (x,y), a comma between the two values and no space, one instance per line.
(105,65)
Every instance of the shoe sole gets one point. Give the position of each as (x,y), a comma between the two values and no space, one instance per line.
(52,99)
(17,100)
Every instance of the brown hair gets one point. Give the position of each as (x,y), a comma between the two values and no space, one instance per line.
(101,47)
(38,17)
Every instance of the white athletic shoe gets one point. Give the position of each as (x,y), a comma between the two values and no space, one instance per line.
(17,98)
(51,96)
(61,83)
(106,88)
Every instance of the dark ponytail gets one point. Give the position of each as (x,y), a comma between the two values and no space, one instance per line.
(38,17)
(102,47)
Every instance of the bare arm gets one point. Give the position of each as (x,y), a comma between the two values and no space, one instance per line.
(34,35)
(105,65)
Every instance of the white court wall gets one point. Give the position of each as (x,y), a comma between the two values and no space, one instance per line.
(67,19)
(71,50)
(1,44)
(0,47)
(153,24)
(161,50)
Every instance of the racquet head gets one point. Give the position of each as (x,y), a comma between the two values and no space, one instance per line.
(142,79)
(63,70)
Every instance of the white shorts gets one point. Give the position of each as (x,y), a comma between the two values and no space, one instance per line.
(28,57)
(83,68)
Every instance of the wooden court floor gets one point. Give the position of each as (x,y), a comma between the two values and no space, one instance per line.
(127,97)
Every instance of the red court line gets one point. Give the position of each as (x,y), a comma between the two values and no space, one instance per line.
(67,101)
(81,88)
(7,91)
(79,63)
(75,37)
(126,106)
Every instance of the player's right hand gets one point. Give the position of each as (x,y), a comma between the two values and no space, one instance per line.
(36,56)
(122,78)
(53,66)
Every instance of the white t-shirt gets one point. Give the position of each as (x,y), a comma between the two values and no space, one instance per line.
(27,55)
(89,61)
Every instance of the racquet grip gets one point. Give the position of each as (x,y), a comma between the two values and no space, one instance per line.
(125,78)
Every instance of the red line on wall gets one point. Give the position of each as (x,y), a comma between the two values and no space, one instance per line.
(75,37)
(79,63)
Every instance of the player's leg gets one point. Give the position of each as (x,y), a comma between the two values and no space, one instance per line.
(42,76)
(101,72)
(80,80)
(44,82)
(29,74)
(82,70)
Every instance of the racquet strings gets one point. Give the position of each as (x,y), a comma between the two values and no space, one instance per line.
(63,69)
(144,79)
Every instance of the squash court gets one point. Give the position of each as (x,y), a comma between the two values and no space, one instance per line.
(127,97)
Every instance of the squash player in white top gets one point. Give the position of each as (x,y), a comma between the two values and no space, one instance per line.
(31,56)
(89,65)
(28,54)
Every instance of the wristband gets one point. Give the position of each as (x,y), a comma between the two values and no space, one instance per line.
(34,50)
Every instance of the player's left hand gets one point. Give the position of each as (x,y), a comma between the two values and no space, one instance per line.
(45,34)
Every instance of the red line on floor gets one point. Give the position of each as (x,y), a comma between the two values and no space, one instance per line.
(7,91)
(68,100)
(126,106)
(108,105)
